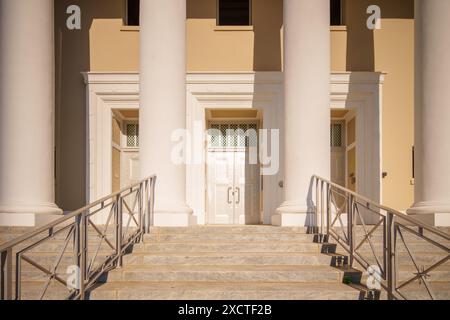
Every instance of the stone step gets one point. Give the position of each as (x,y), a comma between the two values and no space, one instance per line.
(59,238)
(192,246)
(423,258)
(230,258)
(191,235)
(416,291)
(226,273)
(244,291)
(6,236)
(228,237)
(266,246)
(227,258)
(214,258)
(218,260)
(228,229)
(378,233)
(235,273)
(416,248)
(440,274)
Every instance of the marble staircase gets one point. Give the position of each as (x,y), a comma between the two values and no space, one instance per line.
(233,262)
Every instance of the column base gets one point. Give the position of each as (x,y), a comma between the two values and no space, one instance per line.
(294,214)
(432,213)
(28,216)
(174,218)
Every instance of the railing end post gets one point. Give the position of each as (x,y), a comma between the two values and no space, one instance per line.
(390,248)
(6,274)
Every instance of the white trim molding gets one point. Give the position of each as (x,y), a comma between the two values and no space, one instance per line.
(105,92)
(359,91)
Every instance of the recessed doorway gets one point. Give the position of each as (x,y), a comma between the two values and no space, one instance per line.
(125,148)
(233,173)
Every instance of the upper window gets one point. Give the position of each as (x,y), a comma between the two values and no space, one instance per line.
(132,18)
(234,13)
(336,12)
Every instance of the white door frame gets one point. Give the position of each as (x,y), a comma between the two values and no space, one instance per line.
(362,92)
(260,90)
(233,150)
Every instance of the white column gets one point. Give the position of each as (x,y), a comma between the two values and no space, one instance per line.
(307,107)
(163,105)
(432,107)
(26,112)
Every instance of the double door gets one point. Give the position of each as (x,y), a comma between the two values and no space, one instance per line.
(233,188)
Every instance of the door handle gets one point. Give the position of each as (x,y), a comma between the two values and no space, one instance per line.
(228,196)
(238,190)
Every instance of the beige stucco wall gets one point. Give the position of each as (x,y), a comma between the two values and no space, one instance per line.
(209,48)
(75,52)
(105,45)
(391,50)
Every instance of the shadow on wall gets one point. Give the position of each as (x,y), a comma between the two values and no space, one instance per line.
(267,18)
(360,41)
(72,53)
(201,9)
(267,26)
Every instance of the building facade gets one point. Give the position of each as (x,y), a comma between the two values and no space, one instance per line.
(88,110)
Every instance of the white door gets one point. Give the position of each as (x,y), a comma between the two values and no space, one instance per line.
(247,188)
(220,187)
(233,188)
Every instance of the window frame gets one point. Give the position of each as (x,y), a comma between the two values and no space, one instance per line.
(250,16)
(341,14)
(126,21)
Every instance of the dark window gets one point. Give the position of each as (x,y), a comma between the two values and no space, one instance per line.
(132,12)
(336,12)
(234,13)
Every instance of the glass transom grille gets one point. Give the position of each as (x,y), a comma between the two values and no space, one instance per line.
(232,135)
(132,135)
(336,134)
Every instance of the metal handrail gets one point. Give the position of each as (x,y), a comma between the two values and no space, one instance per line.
(332,198)
(75,226)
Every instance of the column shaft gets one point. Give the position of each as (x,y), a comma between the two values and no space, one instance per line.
(307,108)
(26,110)
(163,104)
(432,110)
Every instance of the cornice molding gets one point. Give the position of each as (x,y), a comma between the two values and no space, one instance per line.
(233,77)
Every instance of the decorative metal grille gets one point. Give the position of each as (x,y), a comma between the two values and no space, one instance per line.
(336,134)
(132,135)
(226,135)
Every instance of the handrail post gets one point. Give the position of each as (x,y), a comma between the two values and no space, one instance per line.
(390,232)
(6,274)
(316,223)
(328,209)
(322,211)
(142,209)
(146,206)
(81,252)
(151,202)
(351,229)
(118,231)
